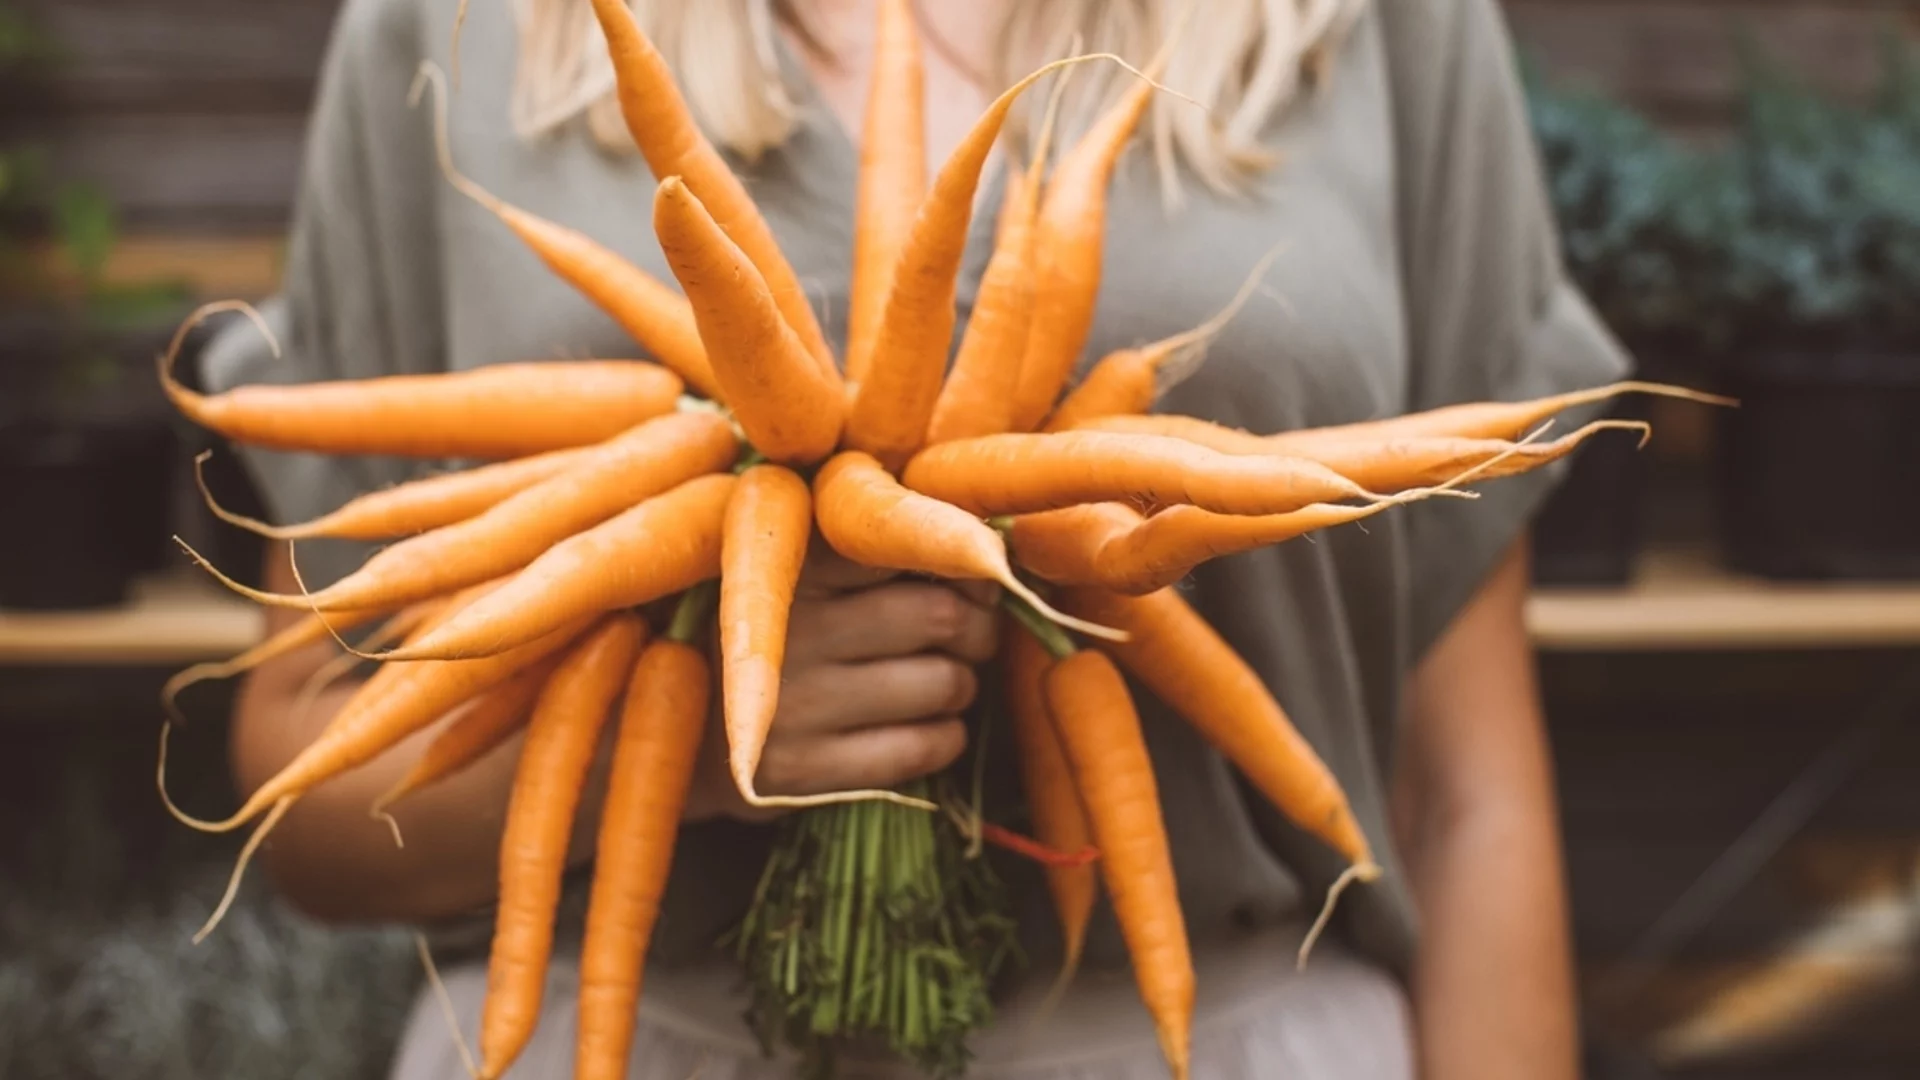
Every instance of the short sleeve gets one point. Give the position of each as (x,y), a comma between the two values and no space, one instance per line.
(361,291)
(1491,314)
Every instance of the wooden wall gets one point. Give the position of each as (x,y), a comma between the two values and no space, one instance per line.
(191,111)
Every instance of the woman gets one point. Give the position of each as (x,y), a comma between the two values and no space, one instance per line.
(1385,145)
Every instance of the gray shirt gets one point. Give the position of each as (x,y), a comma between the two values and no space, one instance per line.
(1420,268)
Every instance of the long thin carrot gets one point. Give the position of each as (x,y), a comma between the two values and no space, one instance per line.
(1020,474)
(1486,419)
(1185,662)
(660,733)
(643,305)
(893,174)
(497,411)
(1053,797)
(482,725)
(1069,240)
(1477,420)
(661,546)
(1100,732)
(1128,381)
(1113,546)
(397,701)
(790,411)
(769,521)
(977,397)
(894,401)
(1400,463)
(412,507)
(649,459)
(554,762)
(866,515)
(308,631)
(663,127)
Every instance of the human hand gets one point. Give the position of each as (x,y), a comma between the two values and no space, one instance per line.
(878,668)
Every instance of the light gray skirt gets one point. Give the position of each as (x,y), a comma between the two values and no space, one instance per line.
(1255,1018)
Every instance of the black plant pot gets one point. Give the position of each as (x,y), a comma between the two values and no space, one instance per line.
(1589,530)
(74,538)
(1819,467)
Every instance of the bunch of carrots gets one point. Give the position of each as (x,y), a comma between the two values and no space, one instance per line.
(510,595)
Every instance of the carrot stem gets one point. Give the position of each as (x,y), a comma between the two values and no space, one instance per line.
(1049,633)
(690,617)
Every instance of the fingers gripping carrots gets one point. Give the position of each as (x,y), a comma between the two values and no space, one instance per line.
(554,762)
(606,489)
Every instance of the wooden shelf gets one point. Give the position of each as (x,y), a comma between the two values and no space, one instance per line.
(1680,601)
(171,619)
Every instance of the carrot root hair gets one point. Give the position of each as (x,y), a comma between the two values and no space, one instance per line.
(1366,871)
(1012,583)
(240,521)
(445,1000)
(168,382)
(166,800)
(1185,350)
(754,798)
(260,832)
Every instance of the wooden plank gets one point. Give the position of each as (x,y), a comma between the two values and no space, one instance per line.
(206,173)
(158,41)
(1679,58)
(1680,600)
(169,620)
(244,267)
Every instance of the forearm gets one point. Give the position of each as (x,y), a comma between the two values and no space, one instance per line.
(334,858)
(1475,806)
(1493,983)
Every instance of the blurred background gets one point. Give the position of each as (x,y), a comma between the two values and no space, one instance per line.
(1729,621)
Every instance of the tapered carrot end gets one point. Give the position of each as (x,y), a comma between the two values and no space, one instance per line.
(1362,871)
(189,402)
(1020,589)
(755,799)
(240,867)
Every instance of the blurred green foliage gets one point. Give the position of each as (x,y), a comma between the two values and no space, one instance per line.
(1801,232)
(87,312)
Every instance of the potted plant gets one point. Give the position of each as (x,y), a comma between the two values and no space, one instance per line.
(1640,219)
(84,472)
(1826,361)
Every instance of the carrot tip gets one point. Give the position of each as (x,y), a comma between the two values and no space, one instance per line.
(445,1000)
(1366,871)
(1092,629)
(240,867)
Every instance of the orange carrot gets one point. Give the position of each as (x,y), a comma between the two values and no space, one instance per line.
(555,759)
(1113,546)
(663,127)
(660,733)
(1478,420)
(1130,380)
(769,521)
(1019,474)
(397,701)
(895,400)
(866,515)
(1069,240)
(661,546)
(476,730)
(789,410)
(1100,732)
(308,631)
(498,411)
(893,174)
(1485,419)
(977,398)
(1053,798)
(649,459)
(1400,463)
(650,312)
(412,507)
(1178,656)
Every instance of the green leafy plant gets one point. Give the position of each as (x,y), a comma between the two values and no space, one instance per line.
(85,311)
(1644,221)
(1827,252)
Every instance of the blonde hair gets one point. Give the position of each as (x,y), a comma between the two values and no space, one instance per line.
(1243,61)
